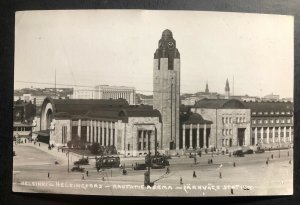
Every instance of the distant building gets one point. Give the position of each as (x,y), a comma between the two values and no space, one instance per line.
(230,121)
(271,98)
(23,120)
(271,123)
(106,92)
(245,98)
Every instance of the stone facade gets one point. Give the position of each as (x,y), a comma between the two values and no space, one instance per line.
(166,89)
(60,132)
(227,126)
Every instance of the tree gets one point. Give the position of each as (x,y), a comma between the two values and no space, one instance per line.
(95,148)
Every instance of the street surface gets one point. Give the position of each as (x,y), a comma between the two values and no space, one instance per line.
(35,170)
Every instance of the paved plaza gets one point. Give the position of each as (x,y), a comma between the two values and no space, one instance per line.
(35,170)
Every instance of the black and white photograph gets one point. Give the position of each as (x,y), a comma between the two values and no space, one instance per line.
(153,103)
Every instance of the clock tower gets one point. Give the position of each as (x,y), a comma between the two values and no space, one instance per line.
(166,89)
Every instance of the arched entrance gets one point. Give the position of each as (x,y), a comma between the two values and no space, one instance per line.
(49,117)
(47,112)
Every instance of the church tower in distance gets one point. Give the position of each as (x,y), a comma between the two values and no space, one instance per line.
(166,89)
(227,90)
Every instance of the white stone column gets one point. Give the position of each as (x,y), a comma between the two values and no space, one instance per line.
(111,133)
(191,136)
(99,129)
(262,134)
(106,134)
(268,135)
(198,136)
(88,132)
(255,135)
(273,136)
(204,136)
(183,136)
(290,134)
(284,134)
(92,133)
(143,140)
(115,135)
(102,133)
(79,128)
(279,134)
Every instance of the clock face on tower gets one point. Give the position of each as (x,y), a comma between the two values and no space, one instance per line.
(170,45)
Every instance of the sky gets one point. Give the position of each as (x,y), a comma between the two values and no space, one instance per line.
(116,47)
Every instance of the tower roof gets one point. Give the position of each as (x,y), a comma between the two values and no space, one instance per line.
(166,46)
(227,89)
(167,34)
(206,88)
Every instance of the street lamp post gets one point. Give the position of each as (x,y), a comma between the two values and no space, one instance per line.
(68,160)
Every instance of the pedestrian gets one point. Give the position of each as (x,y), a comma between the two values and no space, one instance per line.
(200,153)
(194,174)
(48,175)
(87,173)
(181,181)
(103,179)
(82,177)
(220,175)
(267,162)
(124,171)
(231,190)
(211,161)
(290,162)
(39,144)
(233,164)
(168,170)
(272,156)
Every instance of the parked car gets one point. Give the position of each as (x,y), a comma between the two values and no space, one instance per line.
(238,153)
(77,169)
(260,150)
(139,166)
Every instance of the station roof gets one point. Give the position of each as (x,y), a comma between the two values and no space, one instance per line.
(100,109)
(270,106)
(192,118)
(220,104)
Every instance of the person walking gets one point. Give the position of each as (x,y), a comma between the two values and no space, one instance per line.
(181,181)
(194,174)
(48,175)
(168,170)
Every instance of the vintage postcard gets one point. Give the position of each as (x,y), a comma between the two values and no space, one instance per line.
(153,103)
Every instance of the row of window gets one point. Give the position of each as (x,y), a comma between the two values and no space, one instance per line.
(226,120)
(226,132)
(272,113)
(22,128)
(271,121)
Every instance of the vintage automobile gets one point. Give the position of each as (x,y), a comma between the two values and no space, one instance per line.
(82,161)
(157,162)
(77,169)
(105,162)
(238,153)
(260,150)
(140,166)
